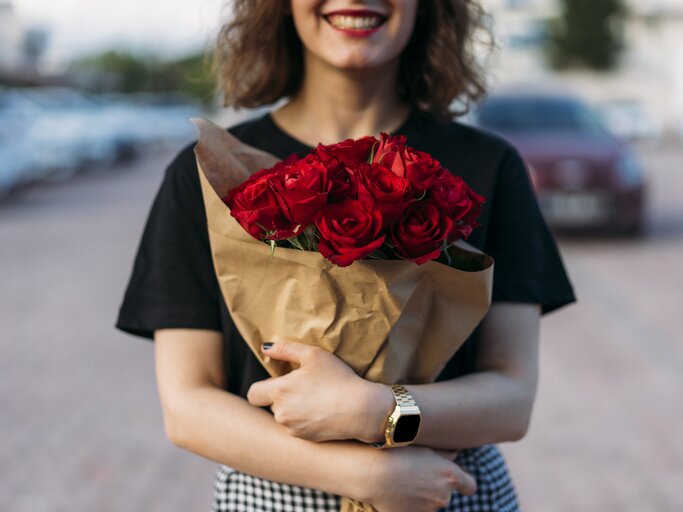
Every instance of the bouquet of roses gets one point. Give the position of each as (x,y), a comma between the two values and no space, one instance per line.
(356,199)
(356,248)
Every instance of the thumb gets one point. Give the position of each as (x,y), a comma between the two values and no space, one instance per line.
(283,350)
(467,484)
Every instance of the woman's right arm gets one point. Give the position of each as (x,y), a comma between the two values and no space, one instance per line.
(201,417)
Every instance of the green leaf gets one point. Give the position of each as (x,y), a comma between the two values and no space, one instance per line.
(377,255)
(310,233)
(263,228)
(464,260)
(372,152)
(272,250)
(266,234)
(296,243)
(449,260)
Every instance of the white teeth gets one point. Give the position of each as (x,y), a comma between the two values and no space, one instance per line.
(354,22)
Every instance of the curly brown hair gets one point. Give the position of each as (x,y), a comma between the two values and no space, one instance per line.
(258,56)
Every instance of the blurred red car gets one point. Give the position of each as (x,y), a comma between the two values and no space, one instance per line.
(585,177)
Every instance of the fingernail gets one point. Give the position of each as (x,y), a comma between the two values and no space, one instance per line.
(266,345)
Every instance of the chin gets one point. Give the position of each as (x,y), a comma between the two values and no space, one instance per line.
(354,65)
(356,61)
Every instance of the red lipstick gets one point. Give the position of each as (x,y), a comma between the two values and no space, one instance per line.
(360,13)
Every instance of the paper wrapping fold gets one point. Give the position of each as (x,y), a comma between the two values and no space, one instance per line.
(391,321)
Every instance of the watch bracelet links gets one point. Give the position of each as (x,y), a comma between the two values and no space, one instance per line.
(403,398)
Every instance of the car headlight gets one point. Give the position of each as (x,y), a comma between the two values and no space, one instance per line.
(629,169)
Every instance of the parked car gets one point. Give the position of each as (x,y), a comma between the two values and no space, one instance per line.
(630,119)
(585,177)
(50,133)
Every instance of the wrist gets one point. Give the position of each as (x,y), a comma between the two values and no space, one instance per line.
(350,468)
(365,468)
(379,403)
(356,469)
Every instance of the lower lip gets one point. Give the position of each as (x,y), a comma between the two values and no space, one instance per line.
(365,32)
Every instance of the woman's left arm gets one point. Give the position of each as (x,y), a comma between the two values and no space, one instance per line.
(323,399)
(493,404)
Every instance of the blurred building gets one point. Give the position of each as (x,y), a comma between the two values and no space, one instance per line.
(11,38)
(20,48)
(649,79)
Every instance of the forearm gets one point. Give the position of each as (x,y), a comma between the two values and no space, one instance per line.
(493,404)
(472,410)
(227,429)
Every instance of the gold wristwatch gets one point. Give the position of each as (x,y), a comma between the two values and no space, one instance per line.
(402,425)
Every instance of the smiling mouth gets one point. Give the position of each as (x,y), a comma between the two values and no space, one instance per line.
(361,22)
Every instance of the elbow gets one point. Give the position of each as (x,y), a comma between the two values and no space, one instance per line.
(181,412)
(173,425)
(521,420)
(519,429)
(173,433)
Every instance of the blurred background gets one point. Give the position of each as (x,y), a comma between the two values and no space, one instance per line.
(94,101)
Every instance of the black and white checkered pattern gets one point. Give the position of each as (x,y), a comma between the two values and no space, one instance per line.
(238,492)
(495,490)
(235,491)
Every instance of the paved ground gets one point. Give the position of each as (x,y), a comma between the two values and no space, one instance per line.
(608,422)
(81,428)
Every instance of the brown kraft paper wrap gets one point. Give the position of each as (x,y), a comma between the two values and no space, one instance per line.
(391,321)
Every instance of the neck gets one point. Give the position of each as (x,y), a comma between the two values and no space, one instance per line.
(334,104)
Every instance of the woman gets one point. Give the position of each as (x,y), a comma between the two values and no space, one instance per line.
(348,68)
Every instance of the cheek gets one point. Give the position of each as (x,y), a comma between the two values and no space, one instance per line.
(397,33)
(402,26)
(306,20)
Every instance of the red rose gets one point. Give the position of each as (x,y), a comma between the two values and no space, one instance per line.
(343,183)
(388,192)
(341,160)
(420,234)
(348,232)
(458,201)
(421,169)
(464,227)
(468,222)
(302,188)
(348,152)
(389,153)
(255,205)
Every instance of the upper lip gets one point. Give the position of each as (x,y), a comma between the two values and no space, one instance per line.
(355,12)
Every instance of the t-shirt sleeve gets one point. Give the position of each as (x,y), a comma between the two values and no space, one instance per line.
(528,266)
(173,284)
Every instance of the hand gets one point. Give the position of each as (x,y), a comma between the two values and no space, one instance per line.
(415,479)
(323,399)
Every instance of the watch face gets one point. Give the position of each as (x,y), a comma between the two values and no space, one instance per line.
(406,428)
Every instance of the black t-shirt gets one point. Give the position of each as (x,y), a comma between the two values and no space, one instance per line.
(173,284)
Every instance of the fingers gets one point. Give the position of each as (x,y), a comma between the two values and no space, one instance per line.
(282,350)
(467,485)
(261,393)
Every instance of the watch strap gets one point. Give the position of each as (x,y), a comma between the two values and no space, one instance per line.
(404,402)
(402,396)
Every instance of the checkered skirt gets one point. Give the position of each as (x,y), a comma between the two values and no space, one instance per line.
(235,491)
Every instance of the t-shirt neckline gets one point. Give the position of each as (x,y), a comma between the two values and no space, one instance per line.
(407,128)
